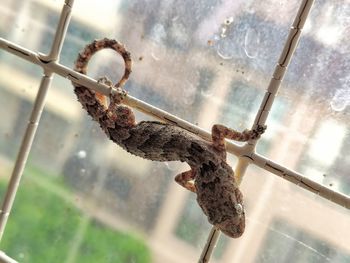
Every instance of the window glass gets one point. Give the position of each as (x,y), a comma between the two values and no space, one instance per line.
(305,246)
(84,199)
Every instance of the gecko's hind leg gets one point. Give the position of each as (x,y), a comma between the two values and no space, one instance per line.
(116,112)
(100,97)
(185,179)
(220,132)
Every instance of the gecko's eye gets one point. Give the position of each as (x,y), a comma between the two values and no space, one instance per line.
(239,209)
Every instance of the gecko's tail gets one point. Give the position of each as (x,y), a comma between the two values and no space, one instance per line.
(85,55)
(96,103)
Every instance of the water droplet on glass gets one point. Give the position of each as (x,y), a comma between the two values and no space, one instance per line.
(154,56)
(216,38)
(81,154)
(224,26)
(340,100)
(158,51)
(82,172)
(228,20)
(225,49)
(188,93)
(158,33)
(223,32)
(225,45)
(206,93)
(251,43)
(338,105)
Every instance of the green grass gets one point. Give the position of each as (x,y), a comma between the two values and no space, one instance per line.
(123,249)
(43,228)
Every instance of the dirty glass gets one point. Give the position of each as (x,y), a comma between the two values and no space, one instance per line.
(83,199)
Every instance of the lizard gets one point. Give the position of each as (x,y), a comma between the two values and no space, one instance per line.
(209,176)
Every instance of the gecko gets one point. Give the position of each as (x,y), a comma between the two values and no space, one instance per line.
(210,177)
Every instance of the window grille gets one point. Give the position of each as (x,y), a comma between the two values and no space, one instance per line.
(246,154)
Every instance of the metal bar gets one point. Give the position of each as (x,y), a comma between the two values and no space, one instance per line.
(34,117)
(162,115)
(276,80)
(301,180)
(94,85)
(283,62)
(5,258)
(60,31)
(210,245)
(24,152)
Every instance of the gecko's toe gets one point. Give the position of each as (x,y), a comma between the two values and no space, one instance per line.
(261,129)
(117,95)
(106,81)
(256,133)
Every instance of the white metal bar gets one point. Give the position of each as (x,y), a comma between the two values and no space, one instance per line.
(60,32)
(93,84)
(23,152)
(5,258)
(266,104)
(283,62)
(162,115)
(33,120)
(300,180)
(210,245)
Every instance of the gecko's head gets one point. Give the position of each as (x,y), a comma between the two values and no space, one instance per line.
(220,199)
(234,225)
(226,212)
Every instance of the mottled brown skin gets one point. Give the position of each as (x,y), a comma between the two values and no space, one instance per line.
(210,176)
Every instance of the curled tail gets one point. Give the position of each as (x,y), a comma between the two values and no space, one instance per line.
(83,58)
(94,102)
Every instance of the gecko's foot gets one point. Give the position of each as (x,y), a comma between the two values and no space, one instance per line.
(256,133)
(117,95)
(106,81)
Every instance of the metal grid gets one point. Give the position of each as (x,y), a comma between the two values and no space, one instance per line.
(246,153)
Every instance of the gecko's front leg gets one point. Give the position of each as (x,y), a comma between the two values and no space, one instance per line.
(217,190)
(117,114)
(220,132)
(185,179)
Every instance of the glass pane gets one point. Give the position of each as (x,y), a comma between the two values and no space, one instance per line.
(204,61)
